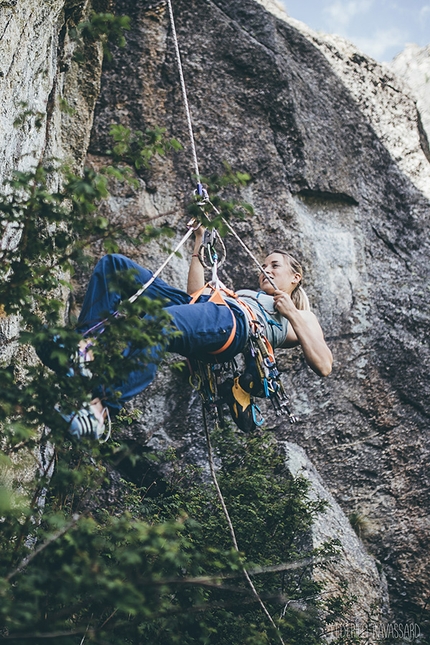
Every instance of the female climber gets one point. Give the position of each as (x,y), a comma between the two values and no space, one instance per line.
(210,331)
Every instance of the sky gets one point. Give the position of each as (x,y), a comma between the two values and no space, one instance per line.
(379,28)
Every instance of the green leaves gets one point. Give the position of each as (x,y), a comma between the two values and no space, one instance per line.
(224,203)
(271,514)
(28,114)
(39,230)
(138,148)
(163,567)
(101,27)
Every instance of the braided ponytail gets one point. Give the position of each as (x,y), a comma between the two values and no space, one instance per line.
(298,296)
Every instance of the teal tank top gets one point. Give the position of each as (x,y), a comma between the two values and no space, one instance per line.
(275,326)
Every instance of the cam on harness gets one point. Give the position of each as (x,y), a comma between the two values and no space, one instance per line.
(259,378)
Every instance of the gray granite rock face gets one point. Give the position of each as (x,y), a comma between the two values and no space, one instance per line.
(412,65)
(38,80)
(340,177)
(352,564)
(37,71)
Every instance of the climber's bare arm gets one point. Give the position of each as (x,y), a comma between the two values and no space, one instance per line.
(305,330)
(196,273)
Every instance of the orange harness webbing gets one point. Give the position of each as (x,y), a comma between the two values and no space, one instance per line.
(218,298)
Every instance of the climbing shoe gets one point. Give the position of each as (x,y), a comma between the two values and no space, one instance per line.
(88,422)
(236,393)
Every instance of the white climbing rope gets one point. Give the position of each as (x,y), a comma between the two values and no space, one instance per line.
(231,527)
(193,143)
(251,255)
(192,226)
(184,91)
(243,245)
(210,456)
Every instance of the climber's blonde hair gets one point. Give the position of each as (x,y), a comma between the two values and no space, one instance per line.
(298,296)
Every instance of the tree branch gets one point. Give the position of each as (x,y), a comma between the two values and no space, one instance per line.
(42,547)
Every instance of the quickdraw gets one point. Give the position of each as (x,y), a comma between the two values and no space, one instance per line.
(270,377)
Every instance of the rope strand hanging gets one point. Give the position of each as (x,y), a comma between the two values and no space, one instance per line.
(231,527)
(184,95)
(193,143)
(203,193)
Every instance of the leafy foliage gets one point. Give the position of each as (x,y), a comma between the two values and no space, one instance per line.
(106,28)
(162,569)
(221,207)
(137,148)
(271,514)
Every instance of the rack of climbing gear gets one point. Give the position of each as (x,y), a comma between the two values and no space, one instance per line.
(225,383)
(270,377)
(205,378)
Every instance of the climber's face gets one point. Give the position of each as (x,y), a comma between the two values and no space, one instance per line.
(278,267)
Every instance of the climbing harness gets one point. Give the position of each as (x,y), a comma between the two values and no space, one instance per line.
(259,352)
(261,378)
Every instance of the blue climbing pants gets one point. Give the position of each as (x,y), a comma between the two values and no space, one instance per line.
(205,326)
